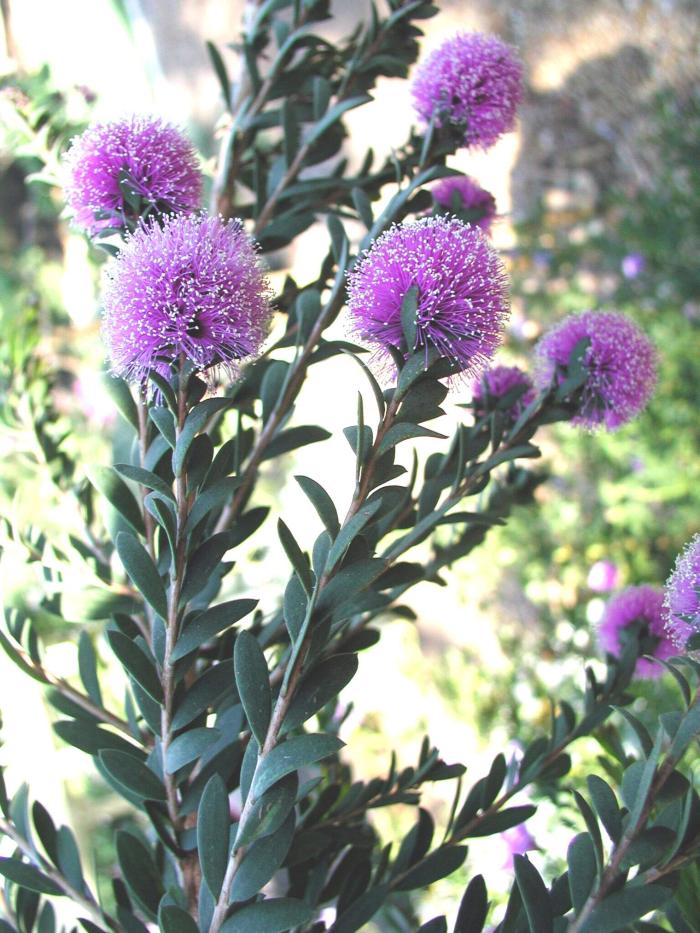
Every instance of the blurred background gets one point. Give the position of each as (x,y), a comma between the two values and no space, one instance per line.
(599,201)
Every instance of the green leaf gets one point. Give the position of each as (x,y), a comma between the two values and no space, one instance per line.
(202,564)
(593,830)
(139,872)
(295,606)
(142,572)
(409,316)
(349,532)
(499,822)
(118,494)
(121,395)
(221,72)
(582,869)
(290,128)
(262,860)
(210,689)
(322,502)
(438,864)
(271,386)
(474,907)
(215,497)
(173,919)
(293,438)
(688,729)
(534,894)
(194,422)
(144,478)
(645,780)
(319,687)
(648,847)
(213,821)
(296,558)
(606,806)
(136,663)
(89,738)
(271,809)
(361,911)
(132,774)
(26,876)
(87,665)
(164,421)
(273,915)
(297,752)
(404,432)
(626,906)
(211,623)
(322,91)
(253,683)
(69,858)
(188,747)
(363,206)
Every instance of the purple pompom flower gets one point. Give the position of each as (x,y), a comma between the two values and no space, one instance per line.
(642,606)
(190,286)
(142,154)
(620,360)
(683,596)
(460,194)
(500,381)
(461,286)
(474,82)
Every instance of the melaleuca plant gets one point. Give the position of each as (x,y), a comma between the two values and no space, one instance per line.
(226,744)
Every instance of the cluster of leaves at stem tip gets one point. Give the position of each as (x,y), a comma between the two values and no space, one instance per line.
(246,817)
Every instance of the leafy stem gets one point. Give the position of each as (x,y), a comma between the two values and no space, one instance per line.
(83,898)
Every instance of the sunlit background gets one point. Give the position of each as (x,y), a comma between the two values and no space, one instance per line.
(599,201)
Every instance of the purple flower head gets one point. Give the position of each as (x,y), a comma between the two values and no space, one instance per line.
(190,285)
(500,381)
(602,577)
(461,286)
(643,608)
(620,360)
(682,602)
(139,154)
(461,195)
(518,841)
(633,265)
(474,82)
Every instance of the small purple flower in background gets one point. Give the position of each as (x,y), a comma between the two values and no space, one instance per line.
(474,82)
(499,381)
(462,291)
(621,364)
(518,841)
(642,606)
(633,265)
(682,602)
(460,194)
(151,158)
(602,577)
(189,286)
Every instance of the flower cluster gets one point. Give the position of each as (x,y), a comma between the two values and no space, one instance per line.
(641,607)
(189,287)
(461,195)
(683,596)
(473,82)
(500,381)
(620,360)
(138,158)
(461,286)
